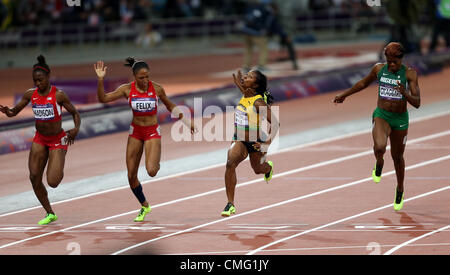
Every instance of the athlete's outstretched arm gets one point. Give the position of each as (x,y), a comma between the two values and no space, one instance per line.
(19,107)
(100,70)
(173,108)
(64,100)
(414,97)
(360,85)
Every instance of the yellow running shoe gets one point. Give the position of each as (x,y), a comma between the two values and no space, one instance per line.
(228,210)
(144,211)
(48,219)
(398,201)
(376,178)
(268,176)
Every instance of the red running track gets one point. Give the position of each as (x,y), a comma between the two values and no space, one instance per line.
(332,206)
(320,200)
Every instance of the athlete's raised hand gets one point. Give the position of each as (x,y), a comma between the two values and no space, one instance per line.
(239,81)
(100,69)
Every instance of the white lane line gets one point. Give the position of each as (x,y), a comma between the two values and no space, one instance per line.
(320,164)
(296,147)
(415,239)
(274,228)
(129,229)
(304,249)
(346,219)
(283,203)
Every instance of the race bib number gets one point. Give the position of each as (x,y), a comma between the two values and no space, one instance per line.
(143,104)
(388,92)
(43,112)
(241,118)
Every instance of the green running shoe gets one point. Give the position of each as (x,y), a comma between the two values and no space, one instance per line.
(144,211)
(228,210)
(376,178)
(398,201)
(48,219)
(268,176)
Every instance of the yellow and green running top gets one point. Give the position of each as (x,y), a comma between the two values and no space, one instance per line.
(246,117)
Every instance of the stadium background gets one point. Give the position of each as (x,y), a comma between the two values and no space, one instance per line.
(197,47)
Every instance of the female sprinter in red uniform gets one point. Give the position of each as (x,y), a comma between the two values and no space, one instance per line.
(50,142)
(248,139)
(142,95)
(398,85)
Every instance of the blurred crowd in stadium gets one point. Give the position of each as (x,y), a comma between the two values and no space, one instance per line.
(33,12)
(402,14)
(36,12)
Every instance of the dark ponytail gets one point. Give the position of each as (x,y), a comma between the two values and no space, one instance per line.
(262,90)
(135,65)
(41,65)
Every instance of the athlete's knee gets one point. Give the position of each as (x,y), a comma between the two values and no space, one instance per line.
(152,170)
(132,178)
(231,164)
(379,149)
(53,183)
(35,178)
(397,157)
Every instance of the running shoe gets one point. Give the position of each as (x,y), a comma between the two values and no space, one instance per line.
(398,202)
(144,211)
(268,176)
(376,174)
(48,219)
(228,210)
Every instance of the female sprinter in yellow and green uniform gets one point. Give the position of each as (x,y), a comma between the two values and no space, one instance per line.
(249,139)
(398,85)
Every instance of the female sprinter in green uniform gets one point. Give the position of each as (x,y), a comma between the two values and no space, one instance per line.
(142,95)
(390,118)
(248,140)
(50,142)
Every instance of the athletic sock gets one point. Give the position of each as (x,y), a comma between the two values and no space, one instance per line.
(139,194)
(378,170)
(398,198)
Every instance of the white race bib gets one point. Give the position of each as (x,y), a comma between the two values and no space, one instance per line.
(389,93)
(143,104)
(241,118)
(43,112)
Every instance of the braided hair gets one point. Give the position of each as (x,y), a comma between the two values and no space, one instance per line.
(41,65)
(136,65)
(261,80)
